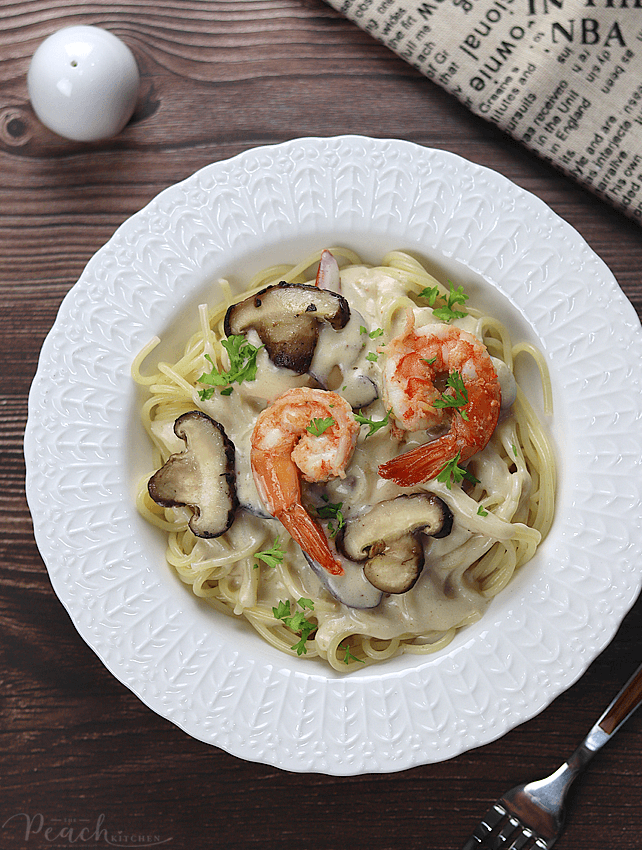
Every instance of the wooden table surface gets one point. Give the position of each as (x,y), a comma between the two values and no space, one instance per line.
(78,749)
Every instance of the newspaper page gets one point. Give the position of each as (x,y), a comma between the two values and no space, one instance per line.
(562,76)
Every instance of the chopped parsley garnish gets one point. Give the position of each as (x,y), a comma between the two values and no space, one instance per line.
(349,656)
(372,334)
(445,312)
(332,511)
(272,556)
(319,426)
(457,399)
(481,511)
(296,621)
(377,332)
(431,293)
(373,425)
(242,357)
(453,472)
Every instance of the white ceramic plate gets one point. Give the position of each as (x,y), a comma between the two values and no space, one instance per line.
(84,448)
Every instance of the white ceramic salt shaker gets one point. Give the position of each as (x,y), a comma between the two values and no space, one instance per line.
(83,83)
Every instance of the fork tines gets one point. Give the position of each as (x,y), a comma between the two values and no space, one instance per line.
(500,830)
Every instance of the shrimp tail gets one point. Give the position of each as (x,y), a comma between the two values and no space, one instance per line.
(285,448)
(304,530)
(328,274)
(279,487)
(420,464)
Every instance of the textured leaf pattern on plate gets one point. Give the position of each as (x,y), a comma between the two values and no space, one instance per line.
(213,677)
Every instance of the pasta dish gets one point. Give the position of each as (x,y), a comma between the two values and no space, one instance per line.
(344,458)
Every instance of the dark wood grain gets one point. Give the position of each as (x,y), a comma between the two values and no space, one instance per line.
(77,748)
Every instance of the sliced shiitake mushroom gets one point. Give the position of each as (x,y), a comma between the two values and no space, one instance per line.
(386,539)
(286,318)
(201,477)
(398,565)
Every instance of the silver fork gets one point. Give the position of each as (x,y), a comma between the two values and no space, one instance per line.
(531,816)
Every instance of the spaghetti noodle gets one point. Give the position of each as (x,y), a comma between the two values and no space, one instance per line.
(502,509)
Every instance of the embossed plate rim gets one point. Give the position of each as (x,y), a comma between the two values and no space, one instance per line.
(224,687)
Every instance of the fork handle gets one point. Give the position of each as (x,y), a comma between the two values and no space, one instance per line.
(620,709)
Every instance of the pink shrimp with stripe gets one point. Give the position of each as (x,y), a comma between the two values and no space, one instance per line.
(417,361)
(310,434)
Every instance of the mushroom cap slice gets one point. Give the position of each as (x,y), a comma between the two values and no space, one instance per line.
(385,538)
(286,317)
(397,567)
(394,518)
(201,477)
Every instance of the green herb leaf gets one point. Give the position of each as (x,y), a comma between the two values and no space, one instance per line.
(446,314)
(332,511)
(432,293)
(458,398)
(216,377)
(372,357)
(319,426)
(301,645)
(242,357)
(373,424)
(296,621)
(481,511)
(282,609)
(446,311)
(349,656)
(272,556)
(453,472)
(372,334)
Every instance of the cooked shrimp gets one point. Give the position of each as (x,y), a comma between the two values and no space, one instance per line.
(416,359)
(305,432)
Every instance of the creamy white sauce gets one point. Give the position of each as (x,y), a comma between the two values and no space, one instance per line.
(441,598)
